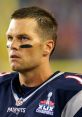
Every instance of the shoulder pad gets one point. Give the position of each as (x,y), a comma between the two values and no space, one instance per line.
(4,73)
(7,75)
(74,76)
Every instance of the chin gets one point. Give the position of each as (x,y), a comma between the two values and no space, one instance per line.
(15,68)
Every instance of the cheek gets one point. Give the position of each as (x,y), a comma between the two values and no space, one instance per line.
(37,53)
(32,54)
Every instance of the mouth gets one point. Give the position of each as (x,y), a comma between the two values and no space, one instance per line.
(14,57)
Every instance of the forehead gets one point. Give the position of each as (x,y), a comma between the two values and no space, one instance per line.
(22,25)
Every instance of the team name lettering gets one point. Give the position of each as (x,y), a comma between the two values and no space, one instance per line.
(16,110)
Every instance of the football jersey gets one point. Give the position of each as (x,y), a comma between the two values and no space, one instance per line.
(59,96)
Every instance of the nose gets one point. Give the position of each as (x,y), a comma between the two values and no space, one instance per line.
(13,44)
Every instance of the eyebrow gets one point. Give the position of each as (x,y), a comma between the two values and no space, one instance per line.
(19,35)
(23,35)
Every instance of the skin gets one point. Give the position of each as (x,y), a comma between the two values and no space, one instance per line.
(31,63)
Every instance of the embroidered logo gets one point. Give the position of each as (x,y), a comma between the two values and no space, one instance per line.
(46,106)
(19,102)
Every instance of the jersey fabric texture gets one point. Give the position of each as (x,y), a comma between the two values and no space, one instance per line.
(59,96)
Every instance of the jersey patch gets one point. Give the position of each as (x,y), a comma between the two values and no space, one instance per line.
(46,106)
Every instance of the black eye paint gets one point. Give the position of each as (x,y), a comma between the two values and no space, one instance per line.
(8,46)
(26,46)
(22,46)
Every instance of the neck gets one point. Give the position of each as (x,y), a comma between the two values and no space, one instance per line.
(35,77)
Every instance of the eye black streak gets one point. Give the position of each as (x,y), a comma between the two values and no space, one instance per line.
(26,46)
(8,46)
(23,46)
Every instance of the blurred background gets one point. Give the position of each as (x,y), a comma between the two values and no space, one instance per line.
(68,53)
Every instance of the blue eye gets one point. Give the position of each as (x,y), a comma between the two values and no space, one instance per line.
(23,37)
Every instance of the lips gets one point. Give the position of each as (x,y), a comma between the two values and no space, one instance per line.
(14,56)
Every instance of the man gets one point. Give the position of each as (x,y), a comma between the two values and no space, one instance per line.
(34,90)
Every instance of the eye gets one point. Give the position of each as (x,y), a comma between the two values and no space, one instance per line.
(9,37)
(23,37)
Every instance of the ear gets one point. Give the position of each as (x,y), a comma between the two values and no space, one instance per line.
(48,47)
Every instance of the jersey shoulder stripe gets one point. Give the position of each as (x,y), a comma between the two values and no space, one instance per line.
(7,76)
(67,81)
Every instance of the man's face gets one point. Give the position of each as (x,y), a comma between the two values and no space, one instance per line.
(22,32)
